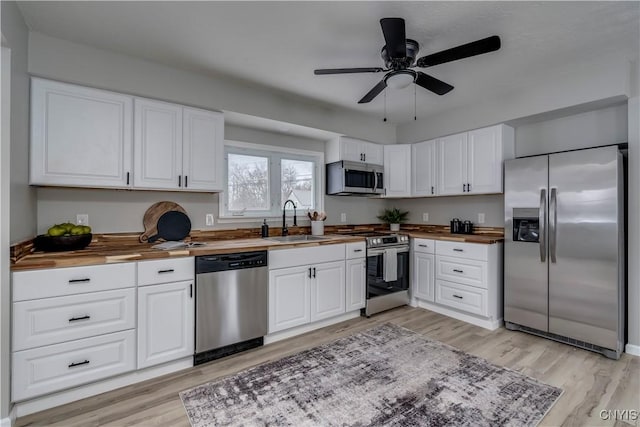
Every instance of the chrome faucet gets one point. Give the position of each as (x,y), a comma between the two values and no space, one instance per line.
(285,230)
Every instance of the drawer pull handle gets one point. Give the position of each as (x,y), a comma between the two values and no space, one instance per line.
(85,280)
(169,270)
(75,319)
(73,365)
(458,271)
(423,246)
(458,250)
(457,296)
(357,250)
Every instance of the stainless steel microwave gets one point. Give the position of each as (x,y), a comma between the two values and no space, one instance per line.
(353,178)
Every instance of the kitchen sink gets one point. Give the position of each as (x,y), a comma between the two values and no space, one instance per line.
(296,238)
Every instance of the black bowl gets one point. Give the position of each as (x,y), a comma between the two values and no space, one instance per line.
(62,243)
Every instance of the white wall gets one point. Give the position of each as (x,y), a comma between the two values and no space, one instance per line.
(590,129)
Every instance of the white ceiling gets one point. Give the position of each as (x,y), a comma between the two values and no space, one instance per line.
(279,44)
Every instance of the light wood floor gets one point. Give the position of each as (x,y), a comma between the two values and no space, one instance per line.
(590,381)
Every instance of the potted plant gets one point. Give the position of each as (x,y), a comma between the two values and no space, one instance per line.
(394,217)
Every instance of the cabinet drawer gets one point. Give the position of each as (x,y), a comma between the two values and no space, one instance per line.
(477,251)
(47,369)
(56,320)
(462,297)
(356,250)
(467,271)
(57,282)
(426,246)
(165,271)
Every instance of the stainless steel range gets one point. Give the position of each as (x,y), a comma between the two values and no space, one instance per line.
(387,271)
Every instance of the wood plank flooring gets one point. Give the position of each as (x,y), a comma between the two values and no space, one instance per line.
(590,382)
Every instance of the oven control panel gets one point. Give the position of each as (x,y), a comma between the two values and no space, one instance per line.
(387,240)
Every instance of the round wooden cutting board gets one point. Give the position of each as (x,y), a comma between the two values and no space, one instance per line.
(151,216)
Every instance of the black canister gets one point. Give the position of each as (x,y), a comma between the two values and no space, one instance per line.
(455,226)
(265,229)
(467,227)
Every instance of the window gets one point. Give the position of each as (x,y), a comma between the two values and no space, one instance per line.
(260,178)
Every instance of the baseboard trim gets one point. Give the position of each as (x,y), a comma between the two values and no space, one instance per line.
(299,330)
(67,396)
(490,324)
(632,349)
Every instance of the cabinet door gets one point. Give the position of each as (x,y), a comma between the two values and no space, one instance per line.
(80,137)
(351,149)
(165,323)
(157,145)
(423,276)
(423,168)
(289,297)
(484,161)
(202,158)
(452,167)
(397,170)
(356,283)
(373,153)
(328,290)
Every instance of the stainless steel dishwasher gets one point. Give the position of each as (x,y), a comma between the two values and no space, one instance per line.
(231,304)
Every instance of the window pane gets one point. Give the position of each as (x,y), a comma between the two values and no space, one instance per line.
(248,182)
(297,183)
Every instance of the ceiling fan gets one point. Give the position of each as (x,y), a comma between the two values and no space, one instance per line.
(399,56)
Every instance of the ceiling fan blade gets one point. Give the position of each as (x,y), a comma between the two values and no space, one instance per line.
(347,70)
(431,83)
(373,92)
(394,37)
(477,47)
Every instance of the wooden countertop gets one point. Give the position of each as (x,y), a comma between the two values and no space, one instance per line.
(465,238)
(108,250)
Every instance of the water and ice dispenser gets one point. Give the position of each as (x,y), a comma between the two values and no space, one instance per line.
(526,225)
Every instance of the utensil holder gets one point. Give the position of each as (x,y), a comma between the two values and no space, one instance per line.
(317,228)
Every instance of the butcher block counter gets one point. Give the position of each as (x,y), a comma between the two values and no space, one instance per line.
(123,247)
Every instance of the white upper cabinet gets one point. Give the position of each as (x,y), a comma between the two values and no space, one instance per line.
(397,170)
(177,148)
(157,145)
(423,169)
(202,149)
(472,162)
(354,150)
(80,137)
(452,164)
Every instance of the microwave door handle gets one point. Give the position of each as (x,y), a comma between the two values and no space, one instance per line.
(542,219)
(375,181)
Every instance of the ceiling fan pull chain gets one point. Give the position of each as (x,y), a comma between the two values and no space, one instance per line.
(385,106)
(415,103)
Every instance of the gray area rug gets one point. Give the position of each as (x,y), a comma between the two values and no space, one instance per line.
(387,375)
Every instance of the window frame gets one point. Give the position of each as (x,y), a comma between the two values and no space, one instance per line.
(274,154)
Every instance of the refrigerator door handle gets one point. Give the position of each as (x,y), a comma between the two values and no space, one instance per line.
(553,219)
(542,220)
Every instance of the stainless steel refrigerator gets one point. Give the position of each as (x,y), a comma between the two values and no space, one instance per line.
(564,248)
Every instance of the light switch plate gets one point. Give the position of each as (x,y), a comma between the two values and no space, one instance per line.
(82,219)
(209,219)
(343,217)
(480,218)
(425,216)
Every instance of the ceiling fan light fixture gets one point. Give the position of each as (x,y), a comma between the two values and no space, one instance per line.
(400,79)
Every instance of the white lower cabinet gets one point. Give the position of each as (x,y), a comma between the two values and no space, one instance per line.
(356,283)
(327,290)
(51,368)
(289,298)
(311,284)
(423,275)
(165,323)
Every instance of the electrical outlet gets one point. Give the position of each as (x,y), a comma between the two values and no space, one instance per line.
(343,217)
(480,218)
(209,219)
(425,216)
(82,219)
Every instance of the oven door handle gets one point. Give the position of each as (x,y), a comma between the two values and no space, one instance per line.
(375,252)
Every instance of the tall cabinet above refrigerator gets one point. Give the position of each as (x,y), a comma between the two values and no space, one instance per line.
(564,248)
